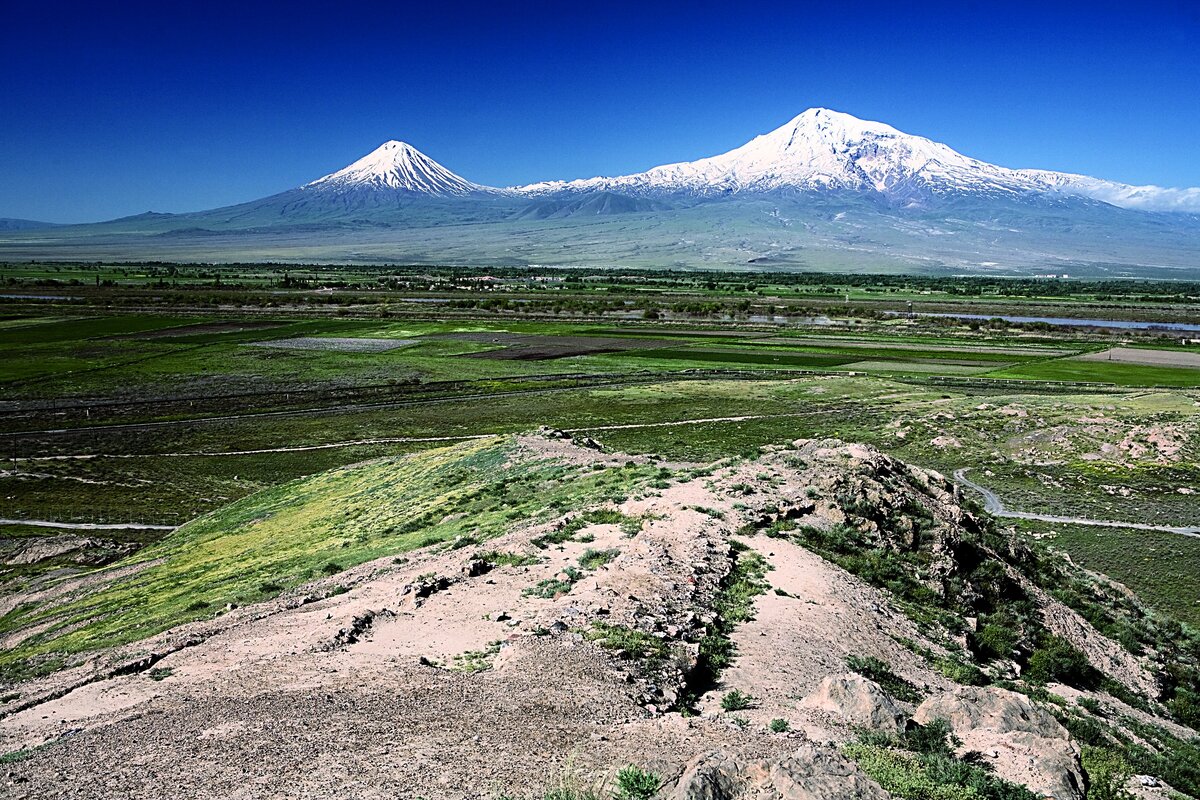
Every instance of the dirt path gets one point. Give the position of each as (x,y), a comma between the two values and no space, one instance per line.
(995,506)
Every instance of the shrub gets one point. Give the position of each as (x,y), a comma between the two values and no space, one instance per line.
(1057,660)
(594,559)
(1106,772)
(736,700)
(638,644)
(637,784)
(779,726)
(553,587)
(501,559)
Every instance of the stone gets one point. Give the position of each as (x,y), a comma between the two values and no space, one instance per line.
(1033,748)
(857,700)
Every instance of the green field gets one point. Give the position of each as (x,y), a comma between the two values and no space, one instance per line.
(140,399)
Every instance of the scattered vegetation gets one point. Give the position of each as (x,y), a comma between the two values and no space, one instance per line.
(501,559)
(594,559)
(477,660)
(921,765)
(561,584)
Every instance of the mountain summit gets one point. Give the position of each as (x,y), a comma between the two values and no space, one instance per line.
(822,150)
(397,166)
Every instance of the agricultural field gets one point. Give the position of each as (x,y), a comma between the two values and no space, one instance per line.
(153,395)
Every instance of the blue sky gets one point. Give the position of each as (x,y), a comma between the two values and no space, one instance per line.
(114,109)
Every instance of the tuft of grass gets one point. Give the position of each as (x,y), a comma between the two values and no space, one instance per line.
(553,587)
(778,725)
(476,660)
(498,558)
(634,783)
(594,559)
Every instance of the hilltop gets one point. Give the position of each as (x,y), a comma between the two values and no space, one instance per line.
(511,614)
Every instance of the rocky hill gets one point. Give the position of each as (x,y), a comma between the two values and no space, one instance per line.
(534,617)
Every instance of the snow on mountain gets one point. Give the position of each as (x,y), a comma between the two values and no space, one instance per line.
(400,167)
(1145,198)
(828,150)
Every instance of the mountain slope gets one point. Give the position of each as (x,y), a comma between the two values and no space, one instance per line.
(822,150)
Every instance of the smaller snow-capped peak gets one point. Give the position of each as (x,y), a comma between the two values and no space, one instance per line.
(398,166)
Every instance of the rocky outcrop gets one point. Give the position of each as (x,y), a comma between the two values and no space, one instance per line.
(809,773)
(1024,743)
(858,701)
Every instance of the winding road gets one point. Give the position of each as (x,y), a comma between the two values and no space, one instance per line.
(994,506)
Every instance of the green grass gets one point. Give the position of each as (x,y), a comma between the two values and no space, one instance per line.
(1161,568)
(637,644)
(1121,374)
(291,533)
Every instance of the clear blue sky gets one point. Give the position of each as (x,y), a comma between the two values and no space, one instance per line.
(117,108)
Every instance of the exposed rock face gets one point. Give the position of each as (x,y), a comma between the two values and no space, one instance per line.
(1024,743)
(859,701)
(810,773)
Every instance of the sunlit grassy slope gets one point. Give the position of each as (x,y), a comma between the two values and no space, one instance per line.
(308,528)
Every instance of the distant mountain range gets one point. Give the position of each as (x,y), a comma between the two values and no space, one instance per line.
(824,191)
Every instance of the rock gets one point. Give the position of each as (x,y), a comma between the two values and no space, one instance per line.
(857,700)
(810,773)
(476,567)
(1033,748)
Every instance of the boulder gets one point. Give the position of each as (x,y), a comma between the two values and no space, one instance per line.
(810,773)
(857,700)
(1024,743)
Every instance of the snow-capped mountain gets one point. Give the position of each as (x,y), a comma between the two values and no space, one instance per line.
(826,191)
(397,167)
(823,150)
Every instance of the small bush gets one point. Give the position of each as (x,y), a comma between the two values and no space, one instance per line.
(1106,772)
(637,644)
(553,587)
(637,784)
(501,559)
(736,700)
(779,726)
(1057,660)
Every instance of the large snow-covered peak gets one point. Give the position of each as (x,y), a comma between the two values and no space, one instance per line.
(400,167)
(819,149)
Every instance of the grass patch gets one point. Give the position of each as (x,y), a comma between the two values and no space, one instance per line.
(308,528)
(881,672)
(550,588)
(594,559)
(637,644)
